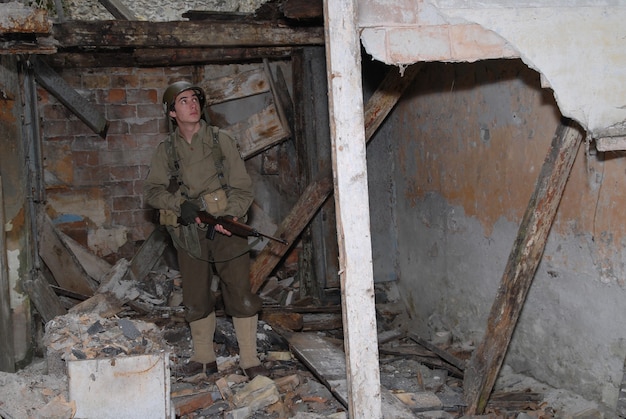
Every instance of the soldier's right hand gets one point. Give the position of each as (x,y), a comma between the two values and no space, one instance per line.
(188,212)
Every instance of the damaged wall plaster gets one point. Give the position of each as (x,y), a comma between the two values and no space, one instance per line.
(577,47)
(469,142)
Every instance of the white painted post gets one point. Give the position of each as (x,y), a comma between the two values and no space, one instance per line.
(343,60)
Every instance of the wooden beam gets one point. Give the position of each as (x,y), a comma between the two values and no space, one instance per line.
(205,34)
(328,364)
(118,9)
(165,57)
(303,9)
(148,255)
(347,133)
(7,353)
(484,366)
(378,107)
(44,298)
(300,215)
(67,271)
(59,88)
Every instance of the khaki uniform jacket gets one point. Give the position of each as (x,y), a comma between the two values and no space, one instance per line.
(198,173)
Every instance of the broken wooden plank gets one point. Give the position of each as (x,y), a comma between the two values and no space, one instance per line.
(459,363)
(69,97)
(189,404)
(67,271)
(258,132)
(386,96)
(320,189)
(282,117)
(114,291)
(485,363)
(238,86)
(7,351)
(148,254)
(44,298)
(94,266)
(389,335)
(426,357)
(289,321)
(328,363)
(314,195)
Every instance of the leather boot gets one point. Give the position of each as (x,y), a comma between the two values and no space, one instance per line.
(203,358)
(245,329)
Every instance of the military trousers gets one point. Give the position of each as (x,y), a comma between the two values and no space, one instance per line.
(231,258)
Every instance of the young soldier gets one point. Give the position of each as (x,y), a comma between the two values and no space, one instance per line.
(198,167)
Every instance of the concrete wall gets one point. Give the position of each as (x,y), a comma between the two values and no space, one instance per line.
(468,142)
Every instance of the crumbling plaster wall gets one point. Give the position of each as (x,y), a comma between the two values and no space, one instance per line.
(577,47)
(469,141)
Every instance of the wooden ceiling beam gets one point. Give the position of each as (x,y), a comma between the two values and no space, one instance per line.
(165,57)
(200,34)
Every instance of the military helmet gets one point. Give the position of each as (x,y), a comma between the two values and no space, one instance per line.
(174,89)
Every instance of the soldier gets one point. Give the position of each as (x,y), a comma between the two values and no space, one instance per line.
(199,167)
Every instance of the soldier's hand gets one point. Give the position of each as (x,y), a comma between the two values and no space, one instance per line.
(188,212)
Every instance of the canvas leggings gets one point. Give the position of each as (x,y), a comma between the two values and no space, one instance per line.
(197,274)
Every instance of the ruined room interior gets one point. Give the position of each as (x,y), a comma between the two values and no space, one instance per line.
(452,193)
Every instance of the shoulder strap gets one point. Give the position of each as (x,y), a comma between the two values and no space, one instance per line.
(173,162)
(218,157)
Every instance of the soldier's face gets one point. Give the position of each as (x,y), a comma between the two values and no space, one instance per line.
(186,107)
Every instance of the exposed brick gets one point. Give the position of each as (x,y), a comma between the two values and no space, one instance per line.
(118,126)
(151,77)
(124,203)
(143,96)
(149,140)
(121,142)
(122,188)
(78,127)
(54,128)
(55,111)
(116,96)
(123,173)
(88,143)
(148,126)
(124,158)
(89,176)
(43,96)
(96,81)
(124,80)
(121,112)
(151,111)
(86,158)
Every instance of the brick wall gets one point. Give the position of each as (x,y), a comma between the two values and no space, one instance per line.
(94,184)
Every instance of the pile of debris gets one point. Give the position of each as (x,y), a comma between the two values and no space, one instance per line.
(300,342)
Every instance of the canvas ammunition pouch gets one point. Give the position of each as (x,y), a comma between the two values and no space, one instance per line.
(168,218)
(215,202)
